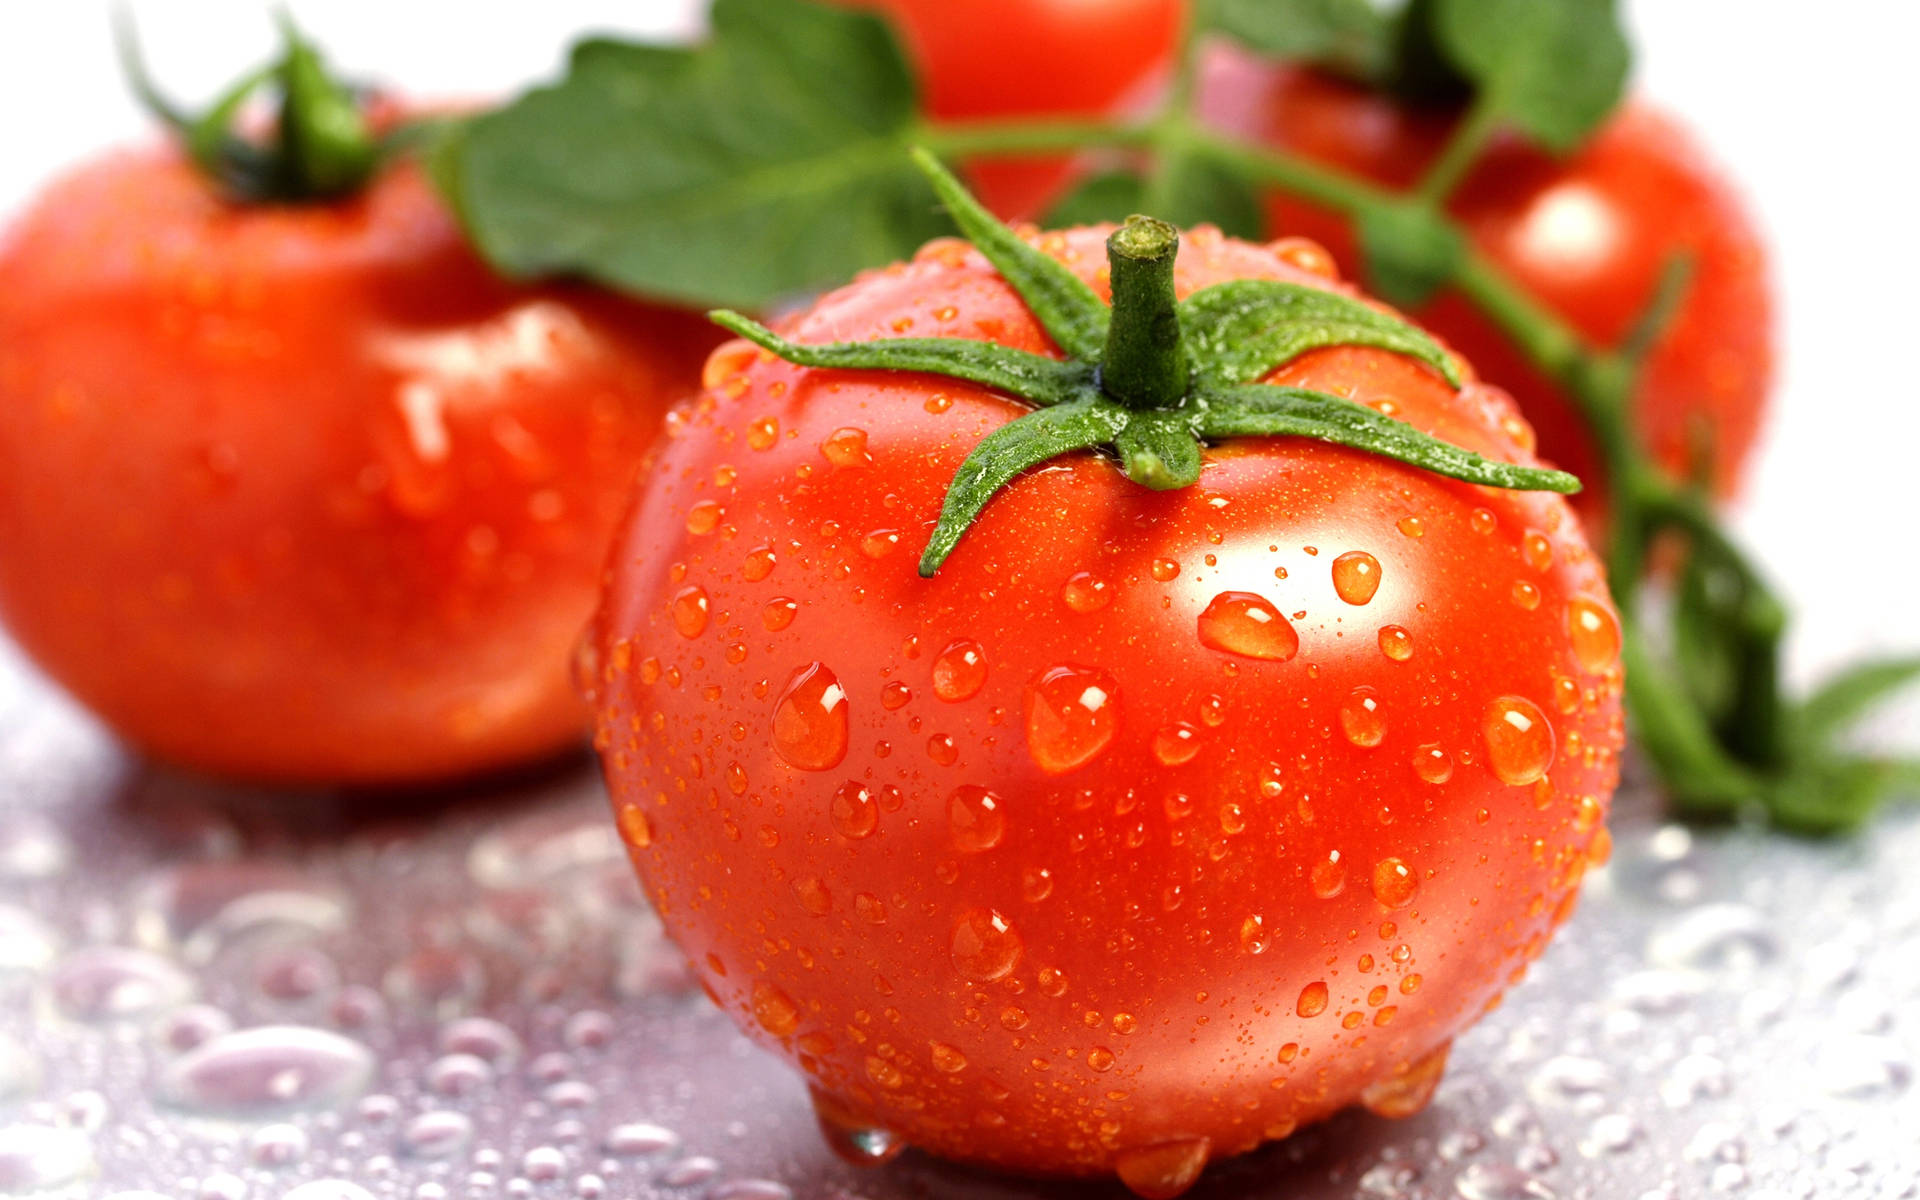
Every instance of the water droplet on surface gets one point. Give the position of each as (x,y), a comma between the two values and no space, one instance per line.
(1499,1181)
(851,1138)
(1594,632)
(1247,624)
(26,942)
(1718,937)
(689,1171)
(277,1145)
(1356,576)
(35,1158)
(704,517)
(482,1037)
(1410,1090)
(267,1070)
(1085,593)
(846,448)
(985,946)
(853,811)
(1609,1134)
(959,671)
(810,720)
(775,1010)
(1394,883)
(437,1133)
(1313,999)
(1396,643)
(1570,1081)
(1361,719)
(1329,876)
(329,1189)
(1433,764)
(690,611)
(638,1138)
(112,983)
(32,847)
(1862,1066)
(976,818)
(1163,1170)
(436,979)
(1071,716)
(1175,745)
(1520,741)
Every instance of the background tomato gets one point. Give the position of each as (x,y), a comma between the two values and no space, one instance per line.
(1013,58)
(1589,236)
(306,493)
(1156,823)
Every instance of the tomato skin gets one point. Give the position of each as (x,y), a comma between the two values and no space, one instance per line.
(1076,942)
(1032,58)
(307,493)
(1588,235)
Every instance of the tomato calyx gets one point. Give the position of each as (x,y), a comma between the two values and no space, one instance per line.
(1151,376)
(320,146)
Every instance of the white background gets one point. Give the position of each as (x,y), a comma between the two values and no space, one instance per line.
(1810,107)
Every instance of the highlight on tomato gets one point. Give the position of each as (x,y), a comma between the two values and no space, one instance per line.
(1096,740)
(293,487)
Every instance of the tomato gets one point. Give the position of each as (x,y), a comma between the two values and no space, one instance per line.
(305,492)
(1589,236)
(1157,823)
(1032,58)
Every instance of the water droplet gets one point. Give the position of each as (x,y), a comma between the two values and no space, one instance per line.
(1085,592)
(976,818)
(1176,744)
(635,827)
(947,1059)
(1595,633)
(482,1037)
(985,945)
(1432,764)
(778,614)
(1409,1090)
(1862,1066)
(851,1138)
(1313,999)
(277,1145)
(810,720)
(1329,876)
(26,942)
(1356,576)
(813,896)
(294,975)
(636,1139)
(1361,719)
(1253,934)
(775,1010)
(1394,883)
(689,1171)
(689,609)
(457,1075)
(1248,625)
(112,983)
(204,907)
(846,448)
(853,811)
(758,564)
(32,847)
(1520,742)
(1609,1134)
(1165,570)
(437,1134)
(268,1069)
(1163,1170)
(436,979)
(1525,595)
(1499,1181)
(960,671)
(762,433)
(1536,551)
(1071,716)
(36,1158)
(1570,1081)
(1396,643)
(704,517)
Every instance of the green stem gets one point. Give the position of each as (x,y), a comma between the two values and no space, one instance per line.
(1462,150)
(1145,364)
(1014,139)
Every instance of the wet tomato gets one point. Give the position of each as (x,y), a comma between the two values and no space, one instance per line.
(304,492)
(1154,825)
(1033,58)
(1589,235)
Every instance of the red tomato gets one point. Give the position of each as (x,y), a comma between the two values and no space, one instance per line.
(1032,58)
(306,493)
(1157,823)
(1588,235)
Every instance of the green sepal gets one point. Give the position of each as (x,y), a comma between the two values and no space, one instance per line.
(1551,68)
(1262,410)
(1159,450)
(1032,377)
(1410,250)
(1071,313)
(1000,456)
(1243,329)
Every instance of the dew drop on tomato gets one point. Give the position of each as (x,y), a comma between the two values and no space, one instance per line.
(775,1010)
(758,564)
(1248,625)
(1176,744)
(1086,592)
(1356,576)
(1163,1170)
(853,811)
(1361,719)
(1432,763)
(1329,876)
(689,608)
(1071,716)
(1520,741)
(778,614)
(1407,1092)
(985,945)
(976,818)
(813,896)
(635,829)
(959,671)
(1394,883)
(895,695)
(946,1059)
(1396,643)
(1313,999)
(1253,934)
(810,719)
(846,448)
(1594,632)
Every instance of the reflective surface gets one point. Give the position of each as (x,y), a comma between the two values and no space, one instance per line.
(213,994)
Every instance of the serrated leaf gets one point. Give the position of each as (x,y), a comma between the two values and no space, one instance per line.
(1351,36)
(1241,330)
(1410,252)
(1850,695)
(1552,68)
(1110,196)
(1263,410)
(1032,377)
(767,161)
(1001,455)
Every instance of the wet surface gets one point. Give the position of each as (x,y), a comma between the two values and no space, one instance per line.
(219,994)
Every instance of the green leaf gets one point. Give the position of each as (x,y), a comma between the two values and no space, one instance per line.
(1191,189)
(1158,450)
(768,161)
(1110,196)
(1353,37)
(1242,329)
(1061,301)
(1851,695)
(1410,252)
(1028,441)
(1262,410)
(1032,377)
(1552,68)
